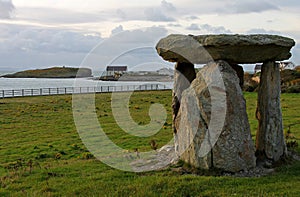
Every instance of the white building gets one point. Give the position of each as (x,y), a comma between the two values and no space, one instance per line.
(113,70)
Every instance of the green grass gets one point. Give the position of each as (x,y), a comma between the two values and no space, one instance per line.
(290,104)
(41,153)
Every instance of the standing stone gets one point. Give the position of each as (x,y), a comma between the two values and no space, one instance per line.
(240,73)
(204,137)
(270,144)
(184,75)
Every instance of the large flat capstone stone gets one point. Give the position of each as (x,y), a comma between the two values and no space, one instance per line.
(235,49)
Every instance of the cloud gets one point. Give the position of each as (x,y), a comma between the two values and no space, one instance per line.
(198,8)
(153,14)
(121,14)
(117,30)
(62,16)
(131,47)
(52,41)
(174,25)
(159,13)
(167,6)
(193,27)
(162,13)
(296,54)
(206,28)
(254,6)
(32,47)
(262,31)
(247,6)
(6,9)
(27,46)
(289,3)
(192,17)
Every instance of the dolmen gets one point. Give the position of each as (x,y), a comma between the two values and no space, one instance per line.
(210,123)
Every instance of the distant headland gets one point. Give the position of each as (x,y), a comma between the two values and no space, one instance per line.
(54,72)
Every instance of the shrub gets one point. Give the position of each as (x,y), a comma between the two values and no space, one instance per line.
(58,156)
(87,155)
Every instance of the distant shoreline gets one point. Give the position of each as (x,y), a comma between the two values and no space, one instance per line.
(135,78)
(52,73)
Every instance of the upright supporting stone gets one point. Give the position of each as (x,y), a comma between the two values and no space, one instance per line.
(270,144)
(212,124)
(240,73)
(184,75)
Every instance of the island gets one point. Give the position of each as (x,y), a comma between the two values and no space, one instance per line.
(54,72)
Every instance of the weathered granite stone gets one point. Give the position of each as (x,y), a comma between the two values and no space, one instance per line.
(198,141)
(183,76)
(235,49)
(155,160)
(240,73)
(270,143)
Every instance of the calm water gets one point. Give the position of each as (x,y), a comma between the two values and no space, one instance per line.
(32,83)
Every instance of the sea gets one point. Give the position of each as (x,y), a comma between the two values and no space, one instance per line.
(37,83)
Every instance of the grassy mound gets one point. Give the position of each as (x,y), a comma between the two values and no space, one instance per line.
(55,72)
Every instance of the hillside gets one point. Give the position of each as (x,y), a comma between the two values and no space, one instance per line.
(54,72)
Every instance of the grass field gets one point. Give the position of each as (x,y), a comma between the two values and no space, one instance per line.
(41,153)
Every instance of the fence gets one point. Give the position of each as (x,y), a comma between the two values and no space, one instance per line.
(79,90)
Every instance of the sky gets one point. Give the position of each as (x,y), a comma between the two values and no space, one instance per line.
(95,33)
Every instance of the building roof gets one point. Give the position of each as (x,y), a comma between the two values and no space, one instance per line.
(116,68)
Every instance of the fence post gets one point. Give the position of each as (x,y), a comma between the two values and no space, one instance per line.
(41,91)
(2,93)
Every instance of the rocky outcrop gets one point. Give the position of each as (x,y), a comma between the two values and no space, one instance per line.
(235,49)
(208,104)
(54,72)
